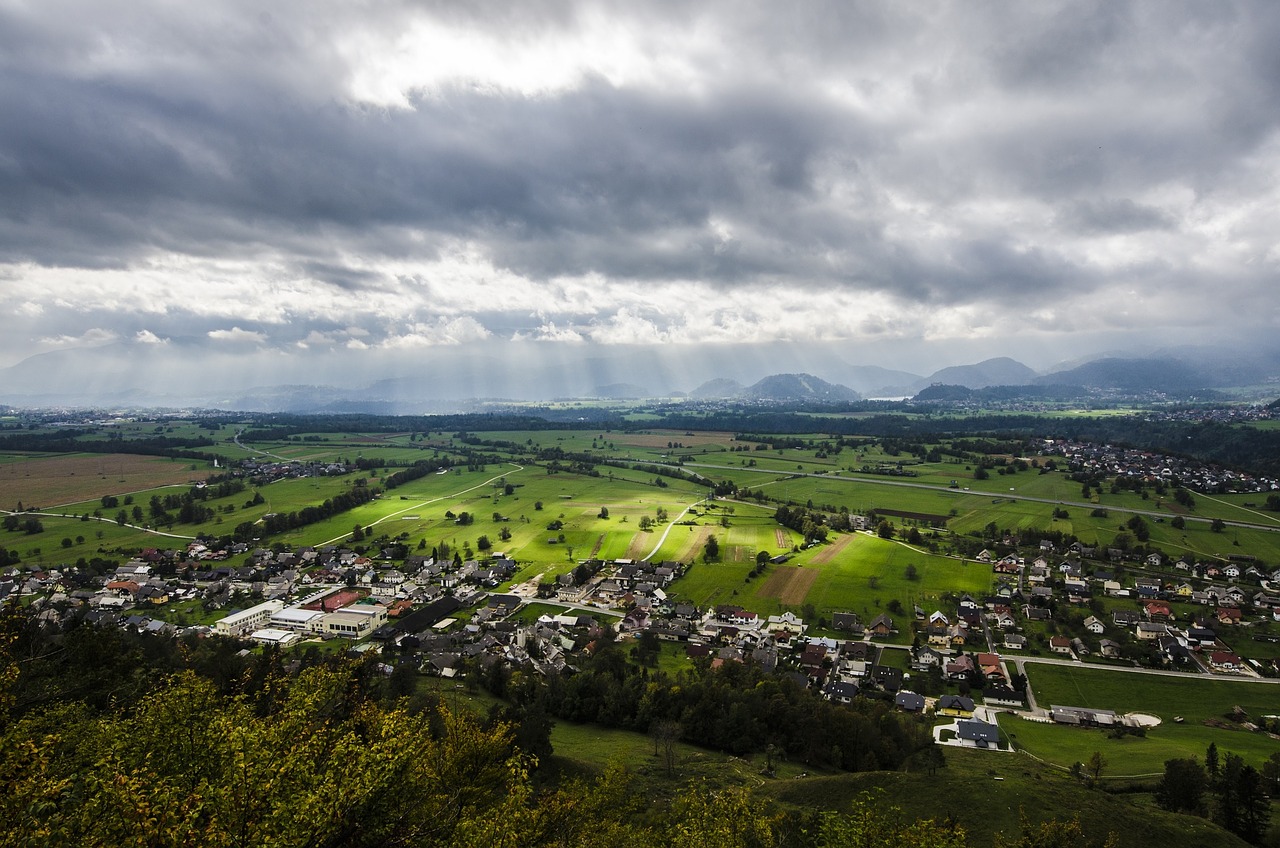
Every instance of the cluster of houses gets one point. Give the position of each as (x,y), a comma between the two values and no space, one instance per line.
(1060,608)
(264,471)
(1150,467)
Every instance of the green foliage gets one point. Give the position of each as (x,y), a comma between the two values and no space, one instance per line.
(1182,788)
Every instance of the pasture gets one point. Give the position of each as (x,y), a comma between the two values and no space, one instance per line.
(1196,700)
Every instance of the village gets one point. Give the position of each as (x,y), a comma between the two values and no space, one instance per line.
(452,618)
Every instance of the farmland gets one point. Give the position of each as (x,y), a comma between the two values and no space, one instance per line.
(554,501)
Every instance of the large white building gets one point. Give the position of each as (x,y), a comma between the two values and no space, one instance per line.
(297,619)
(354,622)
(249,620)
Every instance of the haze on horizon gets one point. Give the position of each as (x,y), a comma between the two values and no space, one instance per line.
(330,192)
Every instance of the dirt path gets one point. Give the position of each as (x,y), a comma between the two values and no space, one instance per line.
(781,538)
(598,546)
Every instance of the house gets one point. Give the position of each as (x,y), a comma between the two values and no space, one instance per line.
(1228,615)
(1002,696)
(955,705)
(926,658)
(1201,636)
(889,678)
(1036,613)
(1158,611)
(980,733)
(846,622)
(841,692)
(1109,649)
(960,668)
(989,664)
(1003,620)
(1225,661)
(909,701)
(1016,641)
(881,625)
(1094,625)
(1150,630)
(1124,618)
(1060,644)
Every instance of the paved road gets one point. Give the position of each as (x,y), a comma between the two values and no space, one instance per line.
(1131,670)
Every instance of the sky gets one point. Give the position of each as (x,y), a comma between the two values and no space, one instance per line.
(313,191)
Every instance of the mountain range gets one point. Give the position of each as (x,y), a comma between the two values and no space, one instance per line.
(176,375)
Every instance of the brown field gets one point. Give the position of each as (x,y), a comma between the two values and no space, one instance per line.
(641,544)
(693,548)
(55,480)
(788,584)
(830,551)
(781,537)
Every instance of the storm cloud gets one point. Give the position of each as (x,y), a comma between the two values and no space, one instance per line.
(326,177)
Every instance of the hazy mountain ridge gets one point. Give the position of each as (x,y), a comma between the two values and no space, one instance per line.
(804,387)
(454,379)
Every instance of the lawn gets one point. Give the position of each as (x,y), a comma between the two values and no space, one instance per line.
(1194,699)
(863,576)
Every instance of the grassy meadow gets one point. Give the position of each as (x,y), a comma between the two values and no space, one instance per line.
(1195,700)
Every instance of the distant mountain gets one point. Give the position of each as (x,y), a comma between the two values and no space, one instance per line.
(721,387)
(1132,375)
(800,387)
(1001,371)
(874,381)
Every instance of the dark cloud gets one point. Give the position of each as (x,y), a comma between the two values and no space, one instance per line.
(942,159)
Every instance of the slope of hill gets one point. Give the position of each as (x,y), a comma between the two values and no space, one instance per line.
(1001,371)
(800,387)
(721,387)
(1161,375)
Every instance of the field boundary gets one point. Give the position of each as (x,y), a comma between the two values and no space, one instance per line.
(789,584)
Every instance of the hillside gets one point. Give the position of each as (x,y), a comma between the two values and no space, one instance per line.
(1001,371)
(799,387)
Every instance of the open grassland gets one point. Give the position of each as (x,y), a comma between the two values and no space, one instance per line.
(863,576)
(1133,755)
(1194,699)
(53,480)
(871,569)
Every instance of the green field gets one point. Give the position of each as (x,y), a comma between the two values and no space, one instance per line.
(863,576)
(1194,699)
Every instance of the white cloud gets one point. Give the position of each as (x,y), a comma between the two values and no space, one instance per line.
(148,337)
(550,332)
(237,336)
(91,337)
